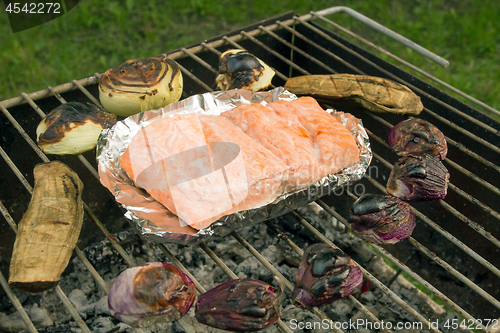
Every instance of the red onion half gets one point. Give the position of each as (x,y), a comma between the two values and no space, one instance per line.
(381,219)
(151,293)
(418,136)
(241,305)
(325,275)
(418,178)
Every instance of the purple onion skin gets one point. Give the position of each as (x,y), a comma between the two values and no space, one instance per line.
(418,178)
(151,293)
(241,305)
(325,275)
(418,136)
(381,219)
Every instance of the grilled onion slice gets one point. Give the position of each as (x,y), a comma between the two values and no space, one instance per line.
(418,177)
(240,305)
(239,69)
(139,85)
(72,128)
(325,275)
(381,219)
(154,292)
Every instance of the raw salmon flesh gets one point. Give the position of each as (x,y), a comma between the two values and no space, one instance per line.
(203,167)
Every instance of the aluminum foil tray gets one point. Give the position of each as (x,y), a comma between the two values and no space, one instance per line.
(154,221)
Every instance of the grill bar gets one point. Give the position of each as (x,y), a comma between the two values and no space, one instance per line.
(473,176)
(465,132)
(194,78)
(455,273)
(238,41)
(296,49)
(267,48)
(199,60)
(62,88)
(17,305)
(473,200)
(377,26)
(23,133)
(86,92)
(322,49)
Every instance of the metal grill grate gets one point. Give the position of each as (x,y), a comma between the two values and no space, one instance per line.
(455,246)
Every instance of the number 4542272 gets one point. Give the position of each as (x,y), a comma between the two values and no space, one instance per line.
(34,8)
(471,324)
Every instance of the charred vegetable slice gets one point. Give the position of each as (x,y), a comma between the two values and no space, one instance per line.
(242,305)
(72,128)
(381,219)
(369,92)
(139,85)
(239,69)
(418,136)
(325,275)
(418,178)
(49,229)
(151,293)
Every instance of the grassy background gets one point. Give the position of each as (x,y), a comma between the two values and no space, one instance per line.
(97,35)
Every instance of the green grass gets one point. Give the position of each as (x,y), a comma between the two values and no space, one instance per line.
(97,35)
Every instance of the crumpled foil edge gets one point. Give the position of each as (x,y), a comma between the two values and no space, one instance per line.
(113,142)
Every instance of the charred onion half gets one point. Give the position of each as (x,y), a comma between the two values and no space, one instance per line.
(325,275)
(241,305)
(418,136)
(381,219)
(151,293)
(418,178)
(139,85)
(72,128)
(239,69)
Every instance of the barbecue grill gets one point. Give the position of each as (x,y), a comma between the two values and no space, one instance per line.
(453,253)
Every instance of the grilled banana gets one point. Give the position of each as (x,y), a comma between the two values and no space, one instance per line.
(369,92)
(49,229)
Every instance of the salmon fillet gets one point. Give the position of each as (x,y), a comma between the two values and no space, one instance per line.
(333,144)
(177,161)
(203,167)
(292,144)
